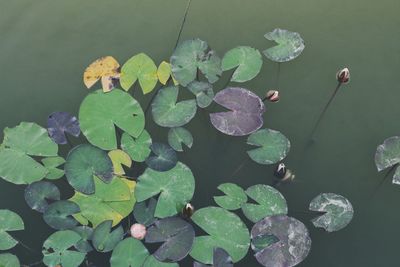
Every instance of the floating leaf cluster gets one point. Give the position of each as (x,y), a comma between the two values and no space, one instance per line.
(108,198)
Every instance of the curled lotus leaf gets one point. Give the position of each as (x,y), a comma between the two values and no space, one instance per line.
(388,155)
(338,211)
(100,113)
(294,241)
(176,236)
(37,195)
(101,68)
(83,163)
(9,222)
(245,112)
(246,60)
(167,112)
(289,45)
(61,123)
(273,146)
(193,55)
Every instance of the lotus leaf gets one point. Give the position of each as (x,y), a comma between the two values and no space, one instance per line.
(193,55)
(388,155)
(162,158)
(101,68)
(61,123)
(273,146)
(105,240)
(86,234)
(221,258)
(138,149)
(59,215)
(234,196)
(203,91)
(289,45)
(246,60)
(139,67)
(119,158)
(167,112)
(245,115)
(225,230)
(164,73)
(99,113)
(9,260)
(51,164)
(37,195)
(176,188)
(9,221)
(129,252)
(179,135)
(143,213)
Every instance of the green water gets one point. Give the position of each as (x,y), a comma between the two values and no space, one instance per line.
(45,45)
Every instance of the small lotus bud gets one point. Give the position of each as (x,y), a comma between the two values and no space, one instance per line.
(272,95)
(280,171)
(138,231)
(343,75)
(188,210)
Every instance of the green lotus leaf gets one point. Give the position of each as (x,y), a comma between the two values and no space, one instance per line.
(388,155)
(273,146)
(176,236)
(246,60)
(128,253)
(100,112)
(179,135)
(57,249)
(105,240)
(270,202)
(19,168)
(234,196)
(338,211)
(37,195)
(151,261)
(137,148)
(289,45)
(203,91)
(164,73)
(167,112)
(9,260)
(9,221)
(31,139)
(83,163)
(59,215)
(176,188)
(139,67)
(144,213)
(162,158)
(193,55)
(51,164)
(225,230)
(86,234)
(113,201)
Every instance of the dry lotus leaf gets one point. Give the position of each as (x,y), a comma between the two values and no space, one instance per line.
(107,67)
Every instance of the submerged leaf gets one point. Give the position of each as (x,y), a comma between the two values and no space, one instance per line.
(57,250)
(338,211)
(9,260)
(113,201)
(51,164)
(83,163)
(226,230)
(61,123)
(144,214)
(9,222)
(273,146)
(203,91)
(289,45)
(179,135)
(176,188)
(162,158)
(176,235)
(101,68)
(246,60)
(119,158)
(167,112)
(99,113)
(294,241)
(234,196)
(270,202)
(37,195)
(138,149)
(388,155)
(105,240)
(59,214)
(139,67)
(193,55)
(245,115)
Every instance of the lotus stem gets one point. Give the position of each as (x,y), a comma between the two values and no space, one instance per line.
(321,116)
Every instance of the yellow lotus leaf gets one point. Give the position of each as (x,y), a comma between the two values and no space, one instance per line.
(119,158)
(102,67)
(164,73)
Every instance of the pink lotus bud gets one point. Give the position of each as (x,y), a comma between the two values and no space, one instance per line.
(138,231)
(272,95)
(343,75)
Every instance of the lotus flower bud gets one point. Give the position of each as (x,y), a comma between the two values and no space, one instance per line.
(138,231)
(188,210)
(280,171)
(343,75)
(272,95)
